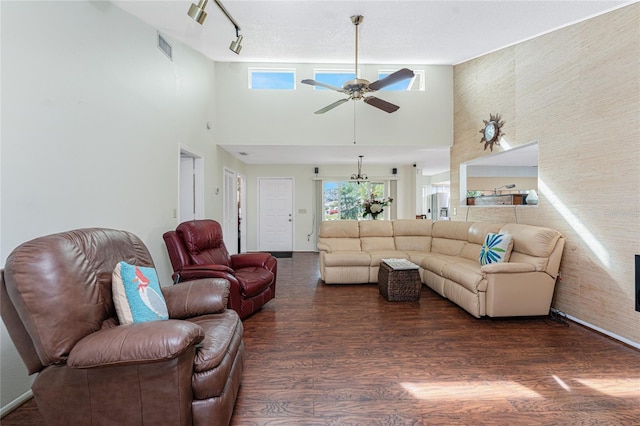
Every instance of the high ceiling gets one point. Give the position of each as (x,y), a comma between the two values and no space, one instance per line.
(393,32)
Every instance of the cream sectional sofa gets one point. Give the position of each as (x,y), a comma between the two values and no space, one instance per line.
(447,253)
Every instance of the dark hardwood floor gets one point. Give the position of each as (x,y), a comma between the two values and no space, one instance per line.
(342,355)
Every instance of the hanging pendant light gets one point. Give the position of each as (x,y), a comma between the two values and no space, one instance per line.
(360,177)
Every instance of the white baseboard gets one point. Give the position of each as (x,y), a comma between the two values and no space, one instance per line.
(603,331)
(15,403)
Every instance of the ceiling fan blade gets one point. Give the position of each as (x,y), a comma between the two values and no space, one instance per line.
(379,103)
(393,78)
(321,84)
(331,106)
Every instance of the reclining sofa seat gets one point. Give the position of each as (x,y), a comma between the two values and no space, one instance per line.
(197,250)
(447,253)
(58,308)
(341,257)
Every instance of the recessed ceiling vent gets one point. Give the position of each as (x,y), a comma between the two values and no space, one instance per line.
(165,47)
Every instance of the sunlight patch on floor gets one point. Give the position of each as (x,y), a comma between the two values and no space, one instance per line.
(472,390)
(621,388)
(561,382)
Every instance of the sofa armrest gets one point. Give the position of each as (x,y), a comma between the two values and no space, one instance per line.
(199,297)
(507,268)
(324,247)
(195,272)
(139,343)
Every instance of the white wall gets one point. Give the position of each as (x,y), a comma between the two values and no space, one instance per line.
(93,117)
(285,117)
(305,222)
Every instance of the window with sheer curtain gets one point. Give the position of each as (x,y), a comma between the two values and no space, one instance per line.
(342,200)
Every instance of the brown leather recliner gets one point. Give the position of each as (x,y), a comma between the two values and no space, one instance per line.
(58,308)
(197,250)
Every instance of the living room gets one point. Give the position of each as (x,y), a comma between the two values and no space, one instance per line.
(94,118)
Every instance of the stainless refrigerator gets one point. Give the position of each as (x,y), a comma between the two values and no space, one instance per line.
(439,208)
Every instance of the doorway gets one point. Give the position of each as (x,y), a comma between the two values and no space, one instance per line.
(191,187)
(242,213)
(230,213)
(275,211)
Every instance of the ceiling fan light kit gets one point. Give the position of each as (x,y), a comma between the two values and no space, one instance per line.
(358,88)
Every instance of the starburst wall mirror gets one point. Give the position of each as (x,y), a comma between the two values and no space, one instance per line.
(492,131)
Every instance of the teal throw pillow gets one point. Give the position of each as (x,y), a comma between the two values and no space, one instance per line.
(136,294)
(496,248)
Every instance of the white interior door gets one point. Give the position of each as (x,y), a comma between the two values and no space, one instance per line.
(230,211)
(275,214)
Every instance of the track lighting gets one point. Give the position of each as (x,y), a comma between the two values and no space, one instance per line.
(197,11)
(199,15)
(235,46)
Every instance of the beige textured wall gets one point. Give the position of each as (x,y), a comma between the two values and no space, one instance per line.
(577,92)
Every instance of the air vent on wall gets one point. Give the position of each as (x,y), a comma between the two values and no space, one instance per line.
(165,47)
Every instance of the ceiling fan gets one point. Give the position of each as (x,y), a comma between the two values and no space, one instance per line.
(358,88)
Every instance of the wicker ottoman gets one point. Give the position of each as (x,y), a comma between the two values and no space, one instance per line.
(399,280)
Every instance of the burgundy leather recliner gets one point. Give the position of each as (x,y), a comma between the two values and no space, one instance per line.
(196,250)
(58,308)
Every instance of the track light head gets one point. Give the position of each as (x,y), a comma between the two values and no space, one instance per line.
(236,46)
(197,11)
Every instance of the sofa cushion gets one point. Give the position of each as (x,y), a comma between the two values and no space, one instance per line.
(347,258)
(479,230)
(412,227)
(376,228)
(447,246)
(339,229)
(370,244)
(449,237)
(339,244)
(412,235)
(436,262)
(408,243)
(532,240)
(496,248)
(471,251)
(451,230)
(339,235)
(136,294)
(467,274)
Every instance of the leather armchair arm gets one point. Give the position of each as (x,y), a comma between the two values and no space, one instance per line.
(195,272)
(244,260)
(507,268)
(139,343)
(199,297)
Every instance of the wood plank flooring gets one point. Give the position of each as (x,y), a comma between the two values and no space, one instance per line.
(342,355)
